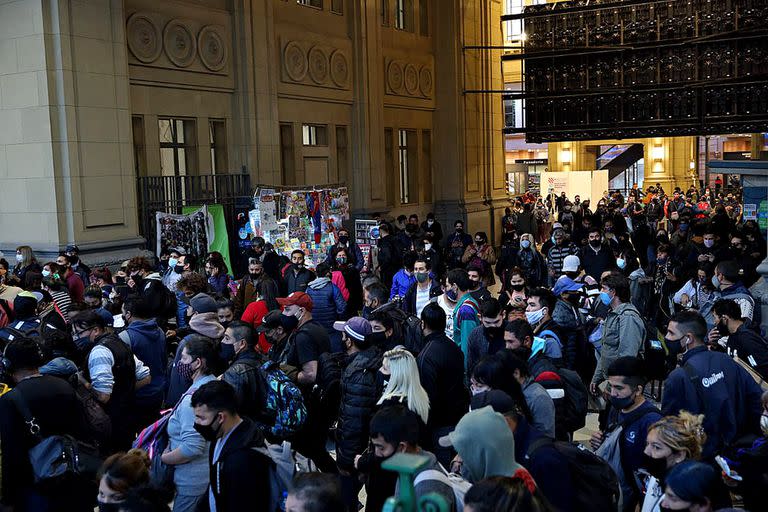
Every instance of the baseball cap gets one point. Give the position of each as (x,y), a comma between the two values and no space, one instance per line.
(356,327)
(566,284)
(271,320)
(72,248)
(496,398)
(571,263)
(300,299)
(556,225)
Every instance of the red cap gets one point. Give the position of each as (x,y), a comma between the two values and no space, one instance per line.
(300,299)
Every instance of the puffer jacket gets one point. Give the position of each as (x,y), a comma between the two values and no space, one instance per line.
(572,323)
(328,305)
(358,402)
(245,375)
(623,335)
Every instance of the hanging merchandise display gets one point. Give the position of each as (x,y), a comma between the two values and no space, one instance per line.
(218,238)
(293,219)
(191,230)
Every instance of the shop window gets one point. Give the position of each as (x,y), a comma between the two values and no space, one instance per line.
(404,15)
(424,17)
(139,146)
(217,138)
(314,135)
(177,146)
(337,6)
(311,3)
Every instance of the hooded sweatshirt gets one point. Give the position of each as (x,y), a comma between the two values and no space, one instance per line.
(327,302)
(207,324)
(147,341)
(486,444)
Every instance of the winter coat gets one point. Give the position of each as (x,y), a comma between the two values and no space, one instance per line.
(596,262)
(389,258)
(713,384)
(409,302)
(571,323)
(327,303)
(400,284)
(147,341)
(441,370)
(533,265)
(623,335)
(479,345)
(297,282)
(245,376)
(358,402)
(241,474)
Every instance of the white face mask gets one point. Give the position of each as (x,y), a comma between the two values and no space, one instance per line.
(534,317)
(764,424)
(19,258)
(427,247)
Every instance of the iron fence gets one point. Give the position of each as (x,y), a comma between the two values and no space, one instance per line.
(170,194)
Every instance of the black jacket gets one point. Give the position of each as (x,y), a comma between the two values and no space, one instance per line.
(750,346)
(245,375)
(389,258)
(595,263)
(409,302)
(441,368)
(241,474)
(297,282)
(358,401)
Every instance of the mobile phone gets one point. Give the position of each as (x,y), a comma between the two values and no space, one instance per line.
(727,469)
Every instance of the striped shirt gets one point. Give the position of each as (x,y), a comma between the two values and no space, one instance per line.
(63,301)
(100,363)
(557,255)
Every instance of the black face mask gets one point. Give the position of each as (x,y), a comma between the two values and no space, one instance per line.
(208,432)
(344,239)
(289,322)
(595,243)
(377,339)
(517,287)
(226,351)
(655,467)
(493,333)
(674,346)
(109,507)
(255,276)
(178,269)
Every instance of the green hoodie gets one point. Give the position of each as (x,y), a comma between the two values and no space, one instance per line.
(485,442)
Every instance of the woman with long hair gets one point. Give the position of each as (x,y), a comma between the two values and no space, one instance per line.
(266,301)
(25,262)
(121,473)
(491,372)
(216,270)
(531,261)
(404,385)
(54,284)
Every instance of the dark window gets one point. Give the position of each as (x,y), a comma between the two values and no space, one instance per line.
(177,147)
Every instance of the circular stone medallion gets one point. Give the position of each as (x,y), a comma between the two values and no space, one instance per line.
(339,69)
(395,76)
(318,65)
(213,51)
(411,79)
(180,45)
(425,81)
(143,38)
(295,62)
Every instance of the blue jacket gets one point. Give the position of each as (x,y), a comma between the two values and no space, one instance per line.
(400,284)
(20,325)
(327,303)
(147,341)
(730,398)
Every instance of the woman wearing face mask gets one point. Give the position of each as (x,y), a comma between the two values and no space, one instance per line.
(347,274)
(699,294)
(515,292)
(120,474)
(55,285)
(530,260)
(187,450)
(669,442)
(266,301)
(25,262)
(216,270)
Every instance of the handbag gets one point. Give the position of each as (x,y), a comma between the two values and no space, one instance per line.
(58,456)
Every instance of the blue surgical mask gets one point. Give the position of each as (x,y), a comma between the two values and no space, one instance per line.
(46,273)
(534,317)
(716,282)
(525,244)
(621,263)
(172,262)
(605,298)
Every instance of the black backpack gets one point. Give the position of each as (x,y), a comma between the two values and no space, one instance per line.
(595,483)
(327,390)
(570,410)
(409,327)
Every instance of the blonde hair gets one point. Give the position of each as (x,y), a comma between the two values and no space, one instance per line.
(28,257)
(682,433)
(404,382)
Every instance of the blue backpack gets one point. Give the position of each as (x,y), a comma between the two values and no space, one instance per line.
(285,403)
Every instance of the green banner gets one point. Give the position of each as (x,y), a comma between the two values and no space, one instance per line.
(220,242)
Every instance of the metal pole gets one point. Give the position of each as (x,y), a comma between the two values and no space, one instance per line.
(706,161)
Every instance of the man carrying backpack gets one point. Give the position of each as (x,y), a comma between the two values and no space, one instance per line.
(244,373)
(624,328)
(26,322)
(358,400)
(623,442)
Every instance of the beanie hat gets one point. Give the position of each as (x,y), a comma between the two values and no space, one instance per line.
(203,303)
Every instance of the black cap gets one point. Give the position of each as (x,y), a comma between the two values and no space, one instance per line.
(271,320)
(497,399)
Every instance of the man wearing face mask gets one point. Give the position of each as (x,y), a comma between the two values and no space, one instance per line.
(737,336)
(709,383)
(307,341)
(248,290)
(456,245)
(596,257)
(297,277)
(422,291)
(239,467)
(541,304)
(113,372)
(238,349)
(355,255)
(623,330)
(629,418)
(487,338)
(171,276)
(432,228)
(466,314)
(727,280)
(375,295)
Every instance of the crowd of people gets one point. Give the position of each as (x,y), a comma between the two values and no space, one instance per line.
(178,383)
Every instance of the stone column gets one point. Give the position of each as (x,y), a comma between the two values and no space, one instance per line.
(66,157)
